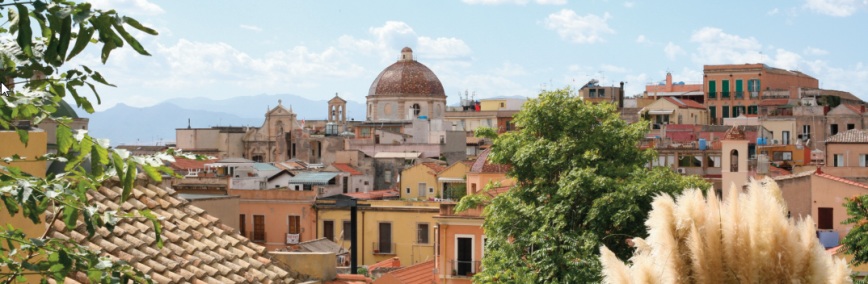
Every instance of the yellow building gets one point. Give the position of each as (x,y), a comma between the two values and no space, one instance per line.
(670,110)
(36,147)
(432,180)
(387,228)
(501,104)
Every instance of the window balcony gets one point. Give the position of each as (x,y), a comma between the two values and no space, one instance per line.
(257,236)
(712,95)
(384,248)
(464,268)
(739,95)
(724,95)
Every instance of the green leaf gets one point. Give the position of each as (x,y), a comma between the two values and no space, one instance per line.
(84,151)
(65,37)
(158,227)
(23,136)
(98,77)
(130,39)
(64,139)
(98,160)
(70,216)
(152,173)
(135,24)
(92,88)
(106,50)
(85,33)
(25,34)
(129,180)
(118,163)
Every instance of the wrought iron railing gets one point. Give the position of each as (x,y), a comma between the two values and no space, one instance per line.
(383,248)
(465,268)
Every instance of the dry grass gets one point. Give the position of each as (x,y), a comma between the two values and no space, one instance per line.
(746,239)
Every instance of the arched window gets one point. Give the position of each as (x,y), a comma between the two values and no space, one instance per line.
(733,161)
(416,109)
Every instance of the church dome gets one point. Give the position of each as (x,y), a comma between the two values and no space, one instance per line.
(407,78)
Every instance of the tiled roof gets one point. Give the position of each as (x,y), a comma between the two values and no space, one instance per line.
(347,169)
(374,195)
(435,167)
(321,245)
(855,108)
(849,136)
(418,273)
(483,166)
(388,263)
(684,103)
(312,178)
(819,172)
(197,248)
(350,279)
(184,163)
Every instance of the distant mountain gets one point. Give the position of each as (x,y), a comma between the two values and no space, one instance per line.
(124,124)
(256,106)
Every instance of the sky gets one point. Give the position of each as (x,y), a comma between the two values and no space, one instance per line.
(314,49)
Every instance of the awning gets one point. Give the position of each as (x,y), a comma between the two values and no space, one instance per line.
(657,112)
(450,180)
(318,178)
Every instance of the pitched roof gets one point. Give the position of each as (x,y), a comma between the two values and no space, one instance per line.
(856,108)
(184,163)
(347,168)
(849,136)
(436,167)
(684,103)
(197,246)
(392,262)
(482,165)
(422,272)
(374,195)
(321,245)
(819,173)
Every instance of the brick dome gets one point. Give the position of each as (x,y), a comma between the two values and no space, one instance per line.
(407,78)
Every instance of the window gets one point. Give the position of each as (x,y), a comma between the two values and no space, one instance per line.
(833,129)
(258,228)
(863,160)
(713,161)
(592,93)
(739,91)
(785,137)
(806,131)
(416,109)
(712,89)
(752,109)
(733,161)
(408,190)
(385,239)
(242,225)
(725,112)
(724,89)
(328,229)
(838,160)
(824,218)
(689,161)
(422,233)
(782,156)
(387,175)
(753,87)
(851,126)
(348,230)
(346,181)
(294,224)
(712,112)
(601,93)
(502,104)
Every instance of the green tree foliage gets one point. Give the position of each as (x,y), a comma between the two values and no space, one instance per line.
(582,183)
(856,241)
(39,38)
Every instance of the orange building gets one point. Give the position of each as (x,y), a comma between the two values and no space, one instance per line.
(276,218)
(736,89)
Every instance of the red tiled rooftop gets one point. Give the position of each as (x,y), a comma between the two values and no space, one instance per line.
(347,169)
(373,195)
(393,262)
(684,103)
(855,108)
(422,272)
(483,166)
(434,166)
(184,163)
(350,279)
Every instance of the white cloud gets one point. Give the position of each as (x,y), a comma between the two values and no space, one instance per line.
(551,2)
(509,69)
(140,7)
(672,50)
(394,35)
(815,51)
(609,68)
(852,79)
(786,59)
(774,11)
(641,39)
(251,28)
(629,4)
(443,48)
(579,29)
(718,47)
(835,8)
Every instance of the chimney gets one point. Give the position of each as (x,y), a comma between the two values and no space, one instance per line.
(621,96)
(669,81)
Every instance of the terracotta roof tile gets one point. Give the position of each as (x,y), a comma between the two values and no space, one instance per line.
(198,248)
(347,168)
(684,103)
(849,136)
(388,263)
(483,166)
(418,273)
(434,166)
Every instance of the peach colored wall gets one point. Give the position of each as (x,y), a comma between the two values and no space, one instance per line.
(805,195)
(851,154)
(477,181)
(225,208)
(277,206)
(446,238)
(768,80)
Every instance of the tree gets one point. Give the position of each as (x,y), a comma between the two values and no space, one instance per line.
(745,239)
(582,182)
(856,241)
(34,66)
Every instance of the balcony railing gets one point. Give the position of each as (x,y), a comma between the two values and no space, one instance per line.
(724,95)
(384,248)
(712,95)
(464,268)
(739,95)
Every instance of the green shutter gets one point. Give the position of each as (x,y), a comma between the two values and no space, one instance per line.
(712,112)
(724,88)
(738,86)
(725,111)
(712,89)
